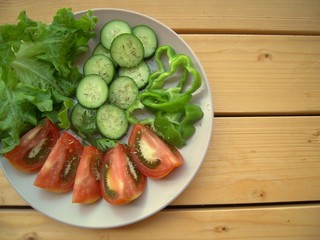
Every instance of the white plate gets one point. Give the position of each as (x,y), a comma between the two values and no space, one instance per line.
(158,193)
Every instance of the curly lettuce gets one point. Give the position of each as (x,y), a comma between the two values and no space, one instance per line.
(38,71)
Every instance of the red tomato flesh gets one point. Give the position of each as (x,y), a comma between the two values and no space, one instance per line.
(86,187)
(121,182)
(152,156)
(34,147)
(58,172)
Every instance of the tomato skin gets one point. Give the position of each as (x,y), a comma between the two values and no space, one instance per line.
(145,142)
(58,172)
(86,187)
(34,147)
(118,184)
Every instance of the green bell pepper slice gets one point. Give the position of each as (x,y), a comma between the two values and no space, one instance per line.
(173,116)
(176,128)
(158,79)
(168,130)
(164,101)
(193,113)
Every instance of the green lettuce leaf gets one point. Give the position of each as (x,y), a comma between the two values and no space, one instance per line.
(38,71)
(63,114)
(16,116)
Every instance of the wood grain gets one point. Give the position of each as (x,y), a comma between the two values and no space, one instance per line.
(261,75)
(283,222)
(251,160)
(254,160)
(217,16)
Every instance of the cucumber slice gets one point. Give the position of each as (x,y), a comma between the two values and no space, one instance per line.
(148,38)
(127,50)
(140,74)
(123,91)
(92,91)
(81,115)
(100,49)
(111,121)
(111,30)
(100,64)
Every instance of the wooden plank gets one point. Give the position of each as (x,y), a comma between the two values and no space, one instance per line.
(251,160)
(258,75)
(254,160)
(268,16)
(288,222)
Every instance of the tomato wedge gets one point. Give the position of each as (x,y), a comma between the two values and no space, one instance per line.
(34,147)
(121,182)
(59,171)
(152,156)
(86,187)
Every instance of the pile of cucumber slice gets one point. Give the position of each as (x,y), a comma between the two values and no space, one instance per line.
(113,77)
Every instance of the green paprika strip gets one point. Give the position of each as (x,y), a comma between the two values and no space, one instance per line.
(168,130)
(158,79)
(193,113)
(171,104)
(176,128)
(174,115)
(170,53)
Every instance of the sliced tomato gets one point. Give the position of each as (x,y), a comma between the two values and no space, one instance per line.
(152,156)
(59,171)
(86,187)
(34,147)
(121,181)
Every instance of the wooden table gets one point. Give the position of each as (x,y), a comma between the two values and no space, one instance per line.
(261,175)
